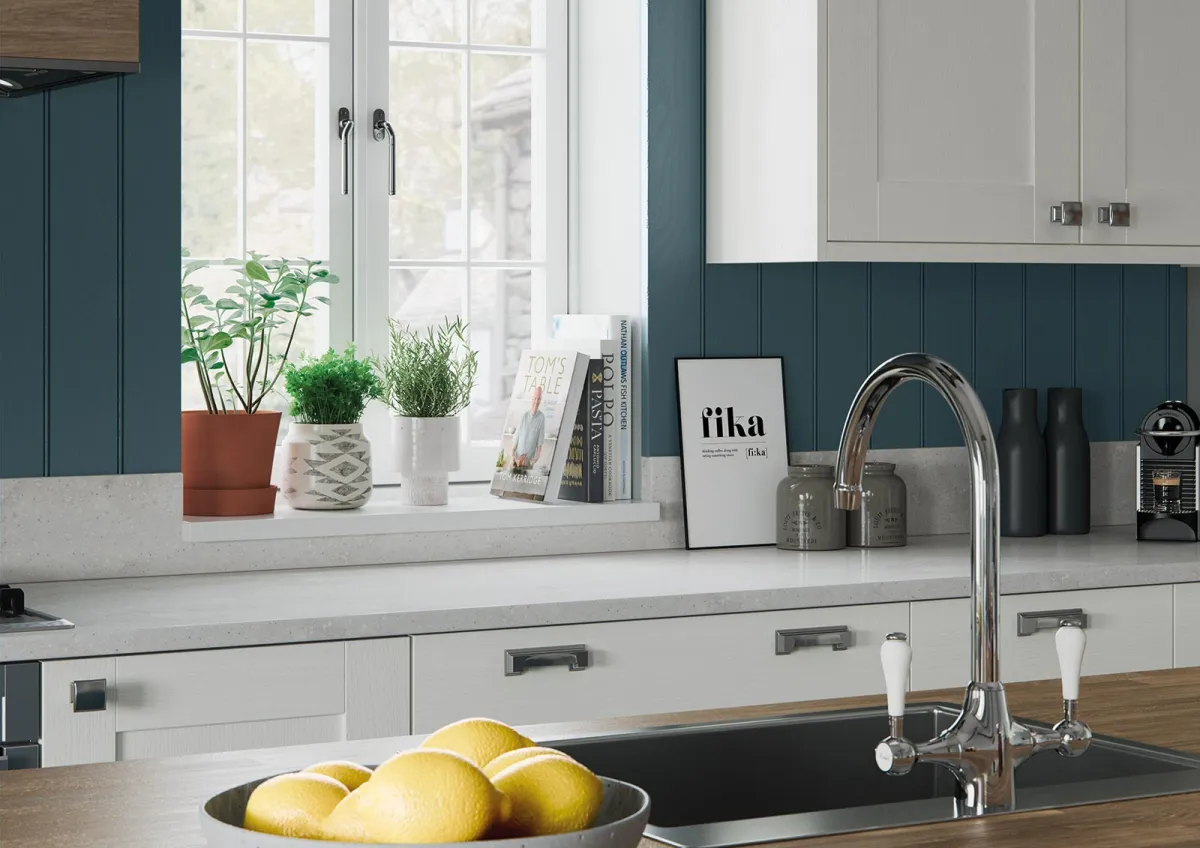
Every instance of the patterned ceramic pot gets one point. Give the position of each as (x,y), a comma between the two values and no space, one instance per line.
(326,466)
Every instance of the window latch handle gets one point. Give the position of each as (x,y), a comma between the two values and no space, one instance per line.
(381,129)
(345,128)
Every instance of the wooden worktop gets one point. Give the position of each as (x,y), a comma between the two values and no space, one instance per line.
(154,803)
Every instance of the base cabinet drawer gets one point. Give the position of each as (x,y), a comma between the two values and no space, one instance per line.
(163,705)
(1128,629)
(641,667)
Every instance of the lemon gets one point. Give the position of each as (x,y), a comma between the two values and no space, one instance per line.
(505,760)
(420,796)
(351,775)
(293,804)
(480,740)
(549,794)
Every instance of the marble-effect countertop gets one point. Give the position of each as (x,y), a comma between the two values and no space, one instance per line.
(149,614)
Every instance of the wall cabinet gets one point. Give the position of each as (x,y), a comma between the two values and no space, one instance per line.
(935,130)
(655,666)
(162,705)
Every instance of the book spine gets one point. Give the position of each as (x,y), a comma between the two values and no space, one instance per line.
(623,334)
(612,454)
(574,485)
(593,472)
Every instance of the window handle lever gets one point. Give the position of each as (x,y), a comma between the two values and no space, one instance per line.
(381,129)
(345,128)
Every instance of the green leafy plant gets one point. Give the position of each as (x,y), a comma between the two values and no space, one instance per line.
(260,313)
(430,374)
(331,389)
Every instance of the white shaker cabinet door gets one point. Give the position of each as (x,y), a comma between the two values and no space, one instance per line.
(953,120)
(1140,118)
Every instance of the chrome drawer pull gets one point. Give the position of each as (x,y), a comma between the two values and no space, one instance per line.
(838,637)
(1029,623)
(574,657)
(89,696)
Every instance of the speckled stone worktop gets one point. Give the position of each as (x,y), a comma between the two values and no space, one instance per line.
(148,614)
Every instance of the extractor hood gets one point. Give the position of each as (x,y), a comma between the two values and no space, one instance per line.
(46,44)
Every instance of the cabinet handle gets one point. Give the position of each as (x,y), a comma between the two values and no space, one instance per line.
(345,128)
(1114,214)
(381,129)
(838,637)
(1029,623)
(1069,213)
(89,696)
(574,657)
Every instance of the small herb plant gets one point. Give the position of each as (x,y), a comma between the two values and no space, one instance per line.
(332,389)
(430,374)
(260,312)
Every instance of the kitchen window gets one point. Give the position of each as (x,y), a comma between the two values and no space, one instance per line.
(476,93)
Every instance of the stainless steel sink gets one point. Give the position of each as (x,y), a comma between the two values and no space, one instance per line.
(748,782)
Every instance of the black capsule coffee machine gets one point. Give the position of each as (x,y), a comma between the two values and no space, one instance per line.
(1168,456)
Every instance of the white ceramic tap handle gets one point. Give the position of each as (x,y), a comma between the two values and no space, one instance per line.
(896,656)
(1070,642)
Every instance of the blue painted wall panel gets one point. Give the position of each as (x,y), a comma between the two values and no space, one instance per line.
(23,287)
(1049,329)
(1145,342)
(1098,349)
(731,310)
(1177,341)
(842,361)
(85,279)
(789,329)
(948,319)
(895,328)
(999,340)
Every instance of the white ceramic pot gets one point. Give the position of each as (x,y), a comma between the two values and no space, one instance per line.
(326,466)
(425,451)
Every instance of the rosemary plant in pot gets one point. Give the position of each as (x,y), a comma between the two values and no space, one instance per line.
(427,381)
(327,457)
(238,346)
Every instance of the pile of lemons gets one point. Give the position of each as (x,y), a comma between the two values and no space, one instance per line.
(474,779)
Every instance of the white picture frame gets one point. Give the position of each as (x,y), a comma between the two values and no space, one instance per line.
(733,448)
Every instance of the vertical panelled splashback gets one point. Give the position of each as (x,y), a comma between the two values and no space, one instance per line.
(89,258)
(1117,331)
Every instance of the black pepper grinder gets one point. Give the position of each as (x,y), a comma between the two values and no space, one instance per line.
(1069,464)
(1022,454)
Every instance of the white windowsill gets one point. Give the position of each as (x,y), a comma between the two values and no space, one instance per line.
(470,508)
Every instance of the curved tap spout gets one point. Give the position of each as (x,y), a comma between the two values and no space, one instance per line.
(985,482)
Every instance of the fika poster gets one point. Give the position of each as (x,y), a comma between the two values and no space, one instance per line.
(733,437)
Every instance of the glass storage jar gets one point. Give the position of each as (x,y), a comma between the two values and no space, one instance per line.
(805,516)
(882,522)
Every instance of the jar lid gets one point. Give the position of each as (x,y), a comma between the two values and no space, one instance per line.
(879,468)
(810,470)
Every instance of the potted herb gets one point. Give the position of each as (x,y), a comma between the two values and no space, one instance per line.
(327,457)
(238,345)
(427,381)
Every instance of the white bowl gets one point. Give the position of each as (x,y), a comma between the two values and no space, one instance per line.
(619,824)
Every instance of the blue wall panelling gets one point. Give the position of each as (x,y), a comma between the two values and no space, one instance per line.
(89,257)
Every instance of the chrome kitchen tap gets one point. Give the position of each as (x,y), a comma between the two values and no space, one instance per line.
(984,745)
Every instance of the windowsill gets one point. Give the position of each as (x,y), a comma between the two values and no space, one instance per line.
(470,508)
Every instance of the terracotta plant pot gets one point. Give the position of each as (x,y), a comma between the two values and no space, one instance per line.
(227,463)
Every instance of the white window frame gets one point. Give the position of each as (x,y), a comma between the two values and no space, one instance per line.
(552,224)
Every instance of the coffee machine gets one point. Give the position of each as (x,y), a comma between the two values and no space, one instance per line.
(1168,459)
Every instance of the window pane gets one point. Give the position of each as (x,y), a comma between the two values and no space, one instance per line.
(500,330)
(426,220)
(501,21)
(210,14)
(211,186)
(501,156)
(428,20)
(287,109)
(425,297)
(302,17)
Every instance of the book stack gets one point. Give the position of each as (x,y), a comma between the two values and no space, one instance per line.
(600,457)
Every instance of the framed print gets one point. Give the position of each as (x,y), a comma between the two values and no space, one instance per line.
(733,440)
